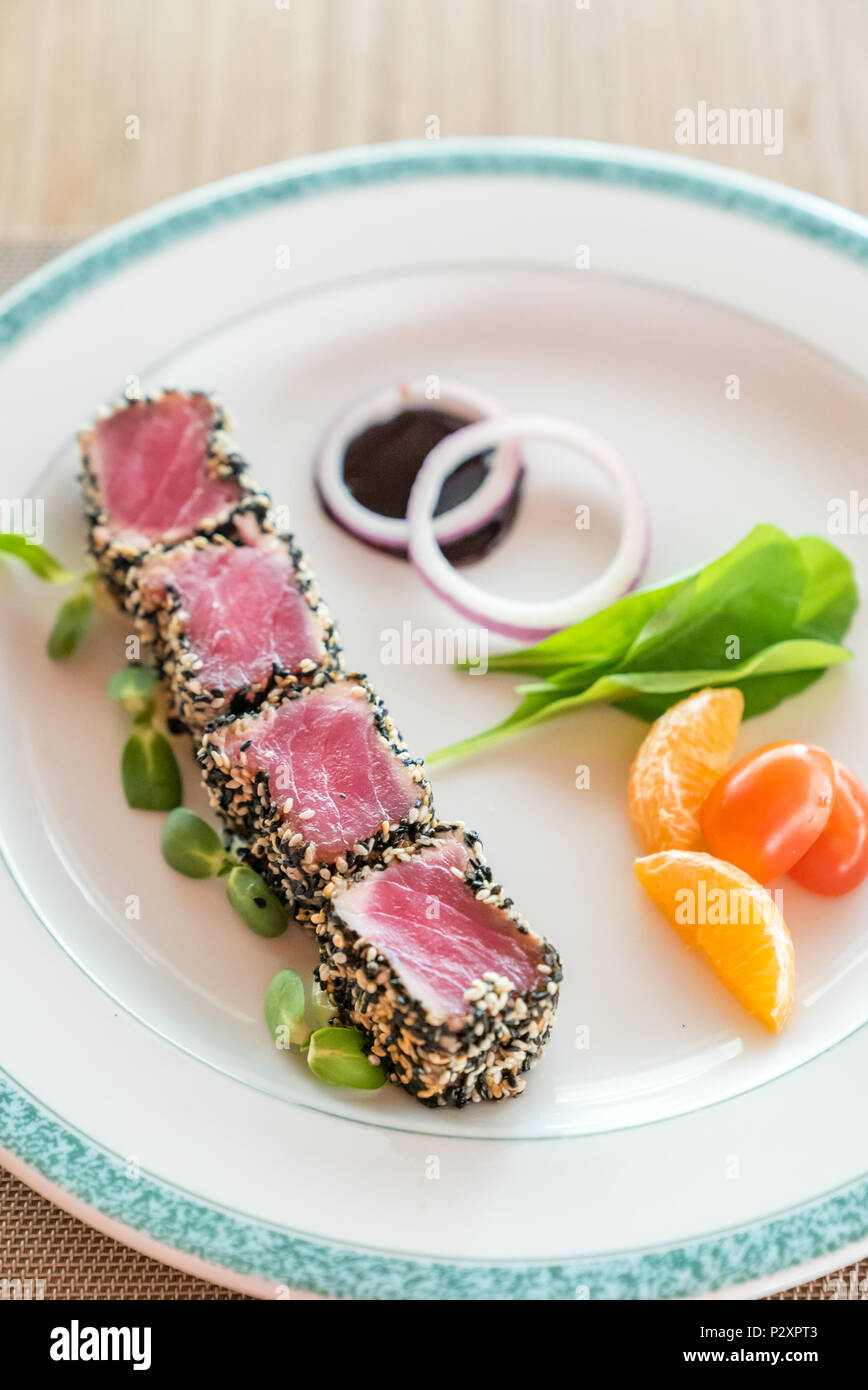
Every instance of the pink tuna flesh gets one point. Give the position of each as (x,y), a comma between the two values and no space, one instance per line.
(322,751)
(151,462)
(436,935)
(244,612)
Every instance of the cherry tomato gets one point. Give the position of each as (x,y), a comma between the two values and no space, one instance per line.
(767,811)
(838,859)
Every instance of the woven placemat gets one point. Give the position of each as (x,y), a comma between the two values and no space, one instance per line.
(21,256)
(39,1241)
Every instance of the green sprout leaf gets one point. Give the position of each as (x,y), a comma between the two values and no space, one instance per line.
(284,1010)
(149,771)
(255,902)
(73,620)
(335,1055)
(190,845)
(322,1010)
(134,689)
(43,565)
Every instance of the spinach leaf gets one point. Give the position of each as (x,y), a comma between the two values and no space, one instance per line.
(545,702)
(599,640)
(767,617)
(744,601)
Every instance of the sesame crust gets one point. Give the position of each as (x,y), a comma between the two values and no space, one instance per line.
(241,797)
(482,1056)
(162,626)
(114,557)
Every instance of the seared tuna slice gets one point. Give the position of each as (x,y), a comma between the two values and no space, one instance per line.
(156,471)
(317,784)
(426,956)
(231,625)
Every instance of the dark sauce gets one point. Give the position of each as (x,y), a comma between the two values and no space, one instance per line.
(381,463)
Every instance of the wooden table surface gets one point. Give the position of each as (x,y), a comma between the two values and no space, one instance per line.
(217,86)
(224,85)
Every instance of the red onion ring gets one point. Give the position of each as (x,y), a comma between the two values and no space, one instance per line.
(392,533)
(527,622)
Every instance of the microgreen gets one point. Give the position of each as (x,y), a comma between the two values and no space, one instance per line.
(133,688)
(322,1009)
(336,1056)
(284,1010)
(190,845)
(37,558)
(255,902)
(75,614)
(149,769)
(74,617)
(149,772)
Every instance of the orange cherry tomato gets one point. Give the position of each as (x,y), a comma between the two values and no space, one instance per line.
(838,860)
(767,811)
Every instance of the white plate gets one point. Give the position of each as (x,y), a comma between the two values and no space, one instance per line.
(684,1149)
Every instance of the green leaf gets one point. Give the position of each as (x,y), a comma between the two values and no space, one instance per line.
(825,610)
(43,565)
(322,1010)
(284,1010)
(799,654)
(190,845)
(149,771)
(599,640)
(830,597)
(255,903)
(752,593)
(655,691)
(134,688)
(335,1055)
(769,592)
(73,619)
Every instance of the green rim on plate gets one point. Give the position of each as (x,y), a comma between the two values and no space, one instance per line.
(179,1220)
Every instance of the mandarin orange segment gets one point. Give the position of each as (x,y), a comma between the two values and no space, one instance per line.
(724,912)
(686,750)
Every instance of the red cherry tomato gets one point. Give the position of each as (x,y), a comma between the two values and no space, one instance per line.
(767,811)
(838,859)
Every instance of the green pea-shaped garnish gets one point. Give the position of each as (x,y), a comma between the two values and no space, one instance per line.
(190,845)
(149,771)
(284,1010)
(335,1055)
(134,688)
(322,1010)
(255,902)
(73,619)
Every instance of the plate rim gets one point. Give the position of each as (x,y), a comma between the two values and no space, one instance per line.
(95,1176)
(697,180)
(86,1170)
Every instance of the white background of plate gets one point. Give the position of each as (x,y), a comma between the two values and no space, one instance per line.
(645,367)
